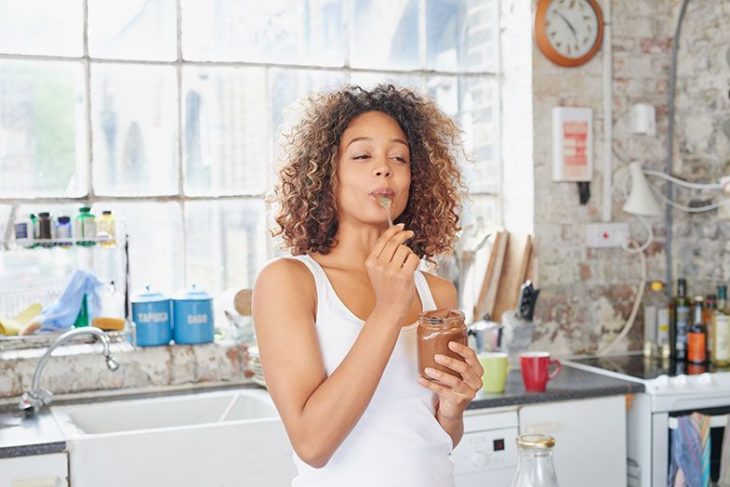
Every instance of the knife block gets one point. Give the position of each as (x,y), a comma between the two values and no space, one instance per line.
(517,335)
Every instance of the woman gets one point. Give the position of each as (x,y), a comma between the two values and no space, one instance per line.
(336,323)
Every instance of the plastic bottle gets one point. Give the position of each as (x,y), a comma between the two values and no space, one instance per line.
(64,232)
(106,229)
(535,467)
(24,231)
(85,227)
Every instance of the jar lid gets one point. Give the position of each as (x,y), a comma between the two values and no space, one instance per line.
(148,296)
(543,442)
(85,209)
(192,293)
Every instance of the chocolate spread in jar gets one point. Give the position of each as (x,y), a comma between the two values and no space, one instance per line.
(435,330)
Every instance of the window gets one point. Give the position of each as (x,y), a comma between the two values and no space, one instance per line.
(168,112)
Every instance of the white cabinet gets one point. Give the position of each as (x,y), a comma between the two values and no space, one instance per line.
(590,439)
(34,471)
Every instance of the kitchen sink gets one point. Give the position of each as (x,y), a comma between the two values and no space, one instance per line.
(213,438)
(145,414)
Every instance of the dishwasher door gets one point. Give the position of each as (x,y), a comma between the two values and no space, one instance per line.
(487,454)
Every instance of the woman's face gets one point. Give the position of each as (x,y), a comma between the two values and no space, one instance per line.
(373,160)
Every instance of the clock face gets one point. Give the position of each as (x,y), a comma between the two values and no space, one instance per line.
(571,27)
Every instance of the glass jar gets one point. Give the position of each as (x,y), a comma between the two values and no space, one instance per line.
(435,330)
(535,467)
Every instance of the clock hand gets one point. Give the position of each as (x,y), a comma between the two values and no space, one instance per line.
(570,26)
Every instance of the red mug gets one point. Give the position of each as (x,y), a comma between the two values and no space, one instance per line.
(535,370)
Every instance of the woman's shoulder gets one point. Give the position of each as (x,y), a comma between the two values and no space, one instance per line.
(284,269)
(442,289)
(285,279)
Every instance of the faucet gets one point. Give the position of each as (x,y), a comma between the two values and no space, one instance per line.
(32,401)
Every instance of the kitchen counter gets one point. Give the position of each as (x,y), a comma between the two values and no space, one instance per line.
(21,437)
(41,434)
(568,385)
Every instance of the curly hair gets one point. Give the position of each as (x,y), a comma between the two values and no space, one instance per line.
(307,213)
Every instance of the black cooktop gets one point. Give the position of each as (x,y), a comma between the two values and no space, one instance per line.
(643,368)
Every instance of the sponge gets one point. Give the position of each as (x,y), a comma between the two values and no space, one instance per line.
(107,323)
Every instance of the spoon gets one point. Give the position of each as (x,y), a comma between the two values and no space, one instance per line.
(384,201)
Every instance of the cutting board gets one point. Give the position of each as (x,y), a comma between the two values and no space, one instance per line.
(515,267)
(488,292)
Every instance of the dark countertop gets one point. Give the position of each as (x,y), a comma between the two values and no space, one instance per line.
(41,435)
(21,437)
(569,384)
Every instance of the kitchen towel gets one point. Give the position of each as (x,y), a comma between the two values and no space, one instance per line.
(690,455)
(62,314)
(724,480)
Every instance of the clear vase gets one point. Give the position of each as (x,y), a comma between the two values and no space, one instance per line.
(535,467)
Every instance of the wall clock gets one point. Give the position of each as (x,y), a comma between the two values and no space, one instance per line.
(568,32)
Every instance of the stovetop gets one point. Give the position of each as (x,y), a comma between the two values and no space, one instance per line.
(645,369)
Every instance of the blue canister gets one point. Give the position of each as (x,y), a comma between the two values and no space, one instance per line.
(192,311)
(151,316)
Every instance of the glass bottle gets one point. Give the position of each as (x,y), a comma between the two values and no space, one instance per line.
(535,467)
(678,340)
(656,321)
(435,330)
(721,327)
(697,334)
(707,319)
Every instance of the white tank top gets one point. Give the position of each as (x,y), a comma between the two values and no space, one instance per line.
(397,441)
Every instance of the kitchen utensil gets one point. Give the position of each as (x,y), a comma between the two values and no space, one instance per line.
(385,202)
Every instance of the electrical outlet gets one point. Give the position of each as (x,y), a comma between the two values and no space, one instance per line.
(606,235)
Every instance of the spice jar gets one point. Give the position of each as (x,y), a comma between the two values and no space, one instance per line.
(435,330)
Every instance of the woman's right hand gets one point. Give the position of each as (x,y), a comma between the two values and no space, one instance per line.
(391,265)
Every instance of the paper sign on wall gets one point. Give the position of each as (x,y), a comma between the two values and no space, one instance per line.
(572,144)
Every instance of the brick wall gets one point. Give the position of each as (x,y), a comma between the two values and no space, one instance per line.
(586,293)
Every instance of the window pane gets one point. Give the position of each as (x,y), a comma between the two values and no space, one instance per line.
(226,243)
(227,144)
(42,129)
(384,34)
(478,118)
(370,80)
(155,242)
(444,90)
(133,29)
(288,87)
(50,27)
(461,35)
(134,121)
(276,31)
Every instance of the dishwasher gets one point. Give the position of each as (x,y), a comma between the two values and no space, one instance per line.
(487,453)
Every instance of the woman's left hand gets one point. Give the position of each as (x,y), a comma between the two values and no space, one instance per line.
(455,393)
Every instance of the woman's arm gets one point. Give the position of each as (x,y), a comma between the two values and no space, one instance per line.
(319,411)
(455,394)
